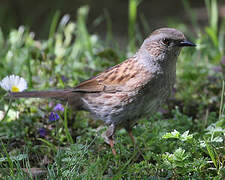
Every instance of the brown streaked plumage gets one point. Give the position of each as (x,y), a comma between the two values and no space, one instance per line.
(121,94)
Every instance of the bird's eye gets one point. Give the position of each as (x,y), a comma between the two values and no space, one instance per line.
(166,42)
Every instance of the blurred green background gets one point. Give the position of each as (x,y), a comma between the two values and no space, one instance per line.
(38,15)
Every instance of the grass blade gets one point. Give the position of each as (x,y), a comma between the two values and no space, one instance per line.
(133,5)
(68,135)
(222,102)
(50,145)
(54,24)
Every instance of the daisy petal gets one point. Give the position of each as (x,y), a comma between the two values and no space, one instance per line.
(13,83)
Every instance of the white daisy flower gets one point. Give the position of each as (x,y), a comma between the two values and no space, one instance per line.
(13,83)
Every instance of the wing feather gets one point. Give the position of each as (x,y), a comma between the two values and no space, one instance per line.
(122,77)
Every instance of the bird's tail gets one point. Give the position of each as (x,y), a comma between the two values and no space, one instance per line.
(57,94)
(72,97)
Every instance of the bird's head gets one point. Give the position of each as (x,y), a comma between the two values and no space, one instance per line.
(165,42)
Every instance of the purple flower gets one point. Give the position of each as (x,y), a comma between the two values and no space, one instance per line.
(217,69)
(64,78)
(59,107)
(53,117)
(42,132)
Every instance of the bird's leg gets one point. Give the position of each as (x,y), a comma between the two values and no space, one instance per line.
(132,137)
(129,131)
(108,137)
(111,143)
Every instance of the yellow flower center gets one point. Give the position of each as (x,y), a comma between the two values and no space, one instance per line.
(15,89)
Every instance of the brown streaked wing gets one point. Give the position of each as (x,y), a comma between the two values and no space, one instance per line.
(110,80)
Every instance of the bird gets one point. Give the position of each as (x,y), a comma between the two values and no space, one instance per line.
(135,88)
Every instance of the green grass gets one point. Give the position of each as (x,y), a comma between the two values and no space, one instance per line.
(185,140)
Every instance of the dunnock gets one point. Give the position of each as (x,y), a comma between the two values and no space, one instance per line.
(122,94)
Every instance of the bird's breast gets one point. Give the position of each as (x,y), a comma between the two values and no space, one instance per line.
(158,90)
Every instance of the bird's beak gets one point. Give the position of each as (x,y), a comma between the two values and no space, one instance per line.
(185,43)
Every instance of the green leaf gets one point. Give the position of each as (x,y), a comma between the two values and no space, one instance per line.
(213,36)
(186,136)
(14,158)
(174,134)
(211,153)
